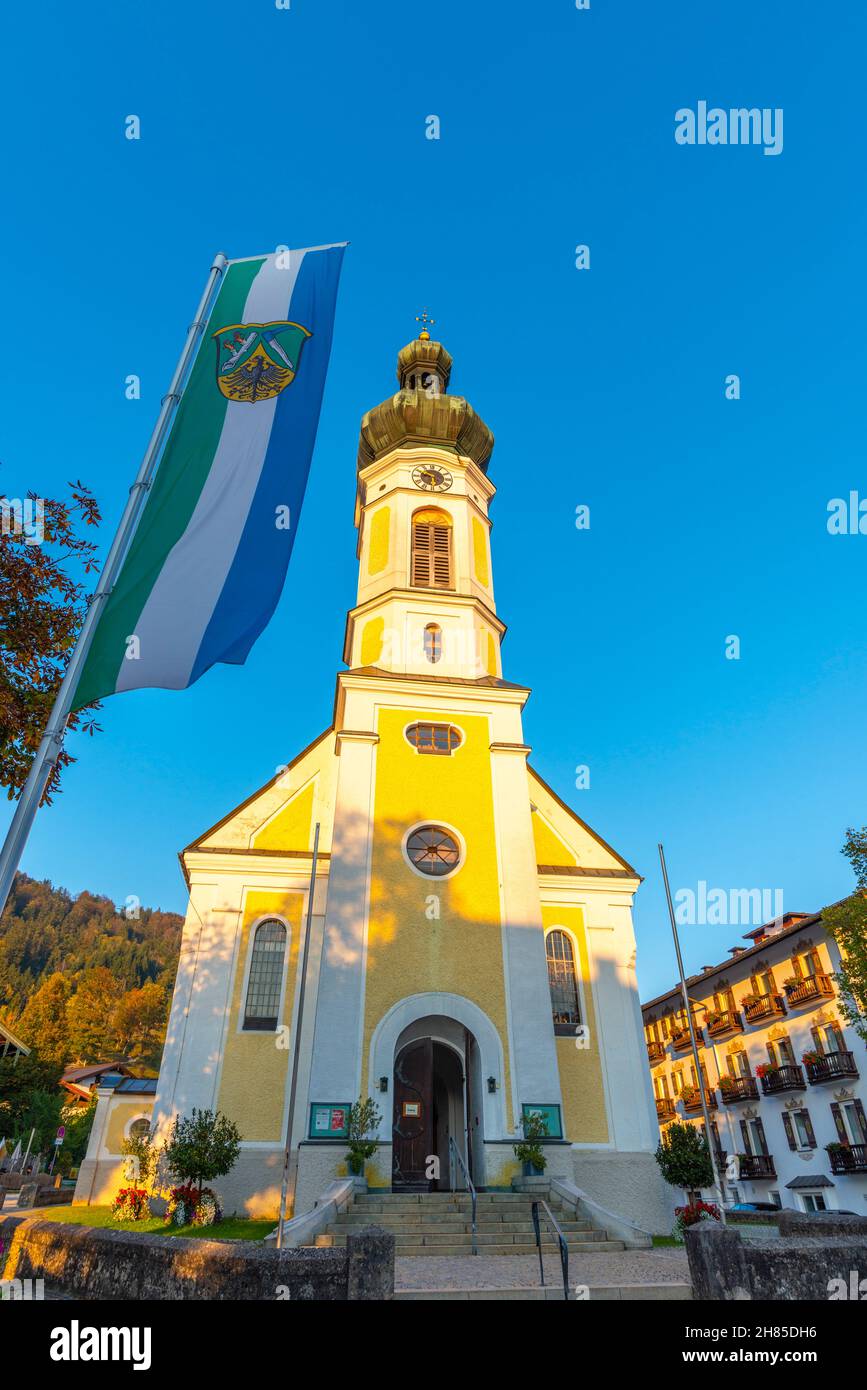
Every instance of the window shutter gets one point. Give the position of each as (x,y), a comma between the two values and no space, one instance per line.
(745,1135)
(760,1133)
(796,968)
(808,1125)
(790,1130)
(431,555)
(862,1120)
(840,1123)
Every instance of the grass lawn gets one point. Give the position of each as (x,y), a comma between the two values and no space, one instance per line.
(231,1228)
(665,1240)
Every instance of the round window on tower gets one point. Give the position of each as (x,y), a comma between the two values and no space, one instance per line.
(433,851)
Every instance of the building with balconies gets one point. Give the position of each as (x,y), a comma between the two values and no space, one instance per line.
(784,1074)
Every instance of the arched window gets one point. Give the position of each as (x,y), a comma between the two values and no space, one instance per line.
(433,642)
(140,1129)
(431,549)
(562,981)
(266,978)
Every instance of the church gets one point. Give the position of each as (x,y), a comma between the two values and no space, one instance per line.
(471,955)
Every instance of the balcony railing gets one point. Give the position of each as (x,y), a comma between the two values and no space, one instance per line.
(809,988)
(665,1109)
(831,1066)
(680,1039)
(692,1102)
(728,1022)
(752,1166)
(655,1051)
(852,1159)
(786,1078)
(764,1006)
(739,1088)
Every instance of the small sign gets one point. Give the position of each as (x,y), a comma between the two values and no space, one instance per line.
(58,1141)
(61,1132)
(411,1110)
(329,1121)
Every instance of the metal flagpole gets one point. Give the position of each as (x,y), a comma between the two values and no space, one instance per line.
(688,1009)
(293,1089)
(52,739)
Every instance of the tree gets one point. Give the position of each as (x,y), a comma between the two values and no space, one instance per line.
(139,1023)
(90,1015)
(846,922)
(19,1079)
(78,1122)
(202,1147)
(364,1119)
(684,1159)
(43,600)
(43,1024)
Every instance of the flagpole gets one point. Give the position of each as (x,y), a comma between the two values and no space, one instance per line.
(688,1009)
(290,1173)
(51,745)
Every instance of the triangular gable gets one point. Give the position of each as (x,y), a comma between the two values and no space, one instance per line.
(284,809)
(562,831)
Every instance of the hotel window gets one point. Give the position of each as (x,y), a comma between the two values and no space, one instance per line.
(266,978)
(799,1130)
(433,642)
(562,982)
(431,550)
(813,1201)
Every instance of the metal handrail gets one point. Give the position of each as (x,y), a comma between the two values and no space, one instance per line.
(564,1248)
(455,1153)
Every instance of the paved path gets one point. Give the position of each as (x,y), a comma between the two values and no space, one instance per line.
(614,1269)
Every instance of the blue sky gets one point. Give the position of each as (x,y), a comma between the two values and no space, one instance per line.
(604,387)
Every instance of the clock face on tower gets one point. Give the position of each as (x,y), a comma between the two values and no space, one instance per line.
(432,479)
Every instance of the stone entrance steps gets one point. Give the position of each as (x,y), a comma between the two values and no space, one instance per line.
(440,1223)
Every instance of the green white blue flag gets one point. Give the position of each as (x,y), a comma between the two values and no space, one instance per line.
(208,559)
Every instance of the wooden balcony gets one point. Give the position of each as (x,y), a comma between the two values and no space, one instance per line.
(777,1080)
(739,1088)
(655,1052)
(808,990)
(831,1066)
(680,1040)
(692,1103)
(852,1159)
(763,1007)
(731,1021)
(756,1166)
(665,1109)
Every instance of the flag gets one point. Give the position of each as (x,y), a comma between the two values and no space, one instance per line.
(206,565)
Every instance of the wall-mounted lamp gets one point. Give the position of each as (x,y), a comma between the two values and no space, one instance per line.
(383,1083)
(492,1084)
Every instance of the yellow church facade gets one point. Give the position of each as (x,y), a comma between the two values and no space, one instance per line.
(471,955)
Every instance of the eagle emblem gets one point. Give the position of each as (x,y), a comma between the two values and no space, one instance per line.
(256,361)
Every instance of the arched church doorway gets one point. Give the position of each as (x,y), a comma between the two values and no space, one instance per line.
(437,1097)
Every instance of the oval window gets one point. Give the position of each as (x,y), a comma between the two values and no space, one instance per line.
(434,738)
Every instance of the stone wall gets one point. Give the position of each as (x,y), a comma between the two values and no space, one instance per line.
(629,1184)
(100,1264)
(810,1260)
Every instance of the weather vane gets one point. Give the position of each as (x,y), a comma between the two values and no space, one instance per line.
(425,322)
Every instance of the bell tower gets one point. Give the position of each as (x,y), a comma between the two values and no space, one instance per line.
(425,586)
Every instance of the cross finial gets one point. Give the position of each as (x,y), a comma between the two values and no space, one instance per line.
(425,322)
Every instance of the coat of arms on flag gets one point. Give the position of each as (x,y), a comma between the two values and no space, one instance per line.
(256,361)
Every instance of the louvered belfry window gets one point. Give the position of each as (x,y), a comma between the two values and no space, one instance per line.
(431,550)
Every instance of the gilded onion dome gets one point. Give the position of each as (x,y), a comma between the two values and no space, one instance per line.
(422,411)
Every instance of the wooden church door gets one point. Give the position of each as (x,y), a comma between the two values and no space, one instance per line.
(412,1136)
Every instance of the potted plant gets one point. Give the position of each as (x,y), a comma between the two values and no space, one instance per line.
(364,1120)
(528,1151)
(727,1083)
(765,1069)
(811,1058)
(689,1094)
(835,1148)
(790,982)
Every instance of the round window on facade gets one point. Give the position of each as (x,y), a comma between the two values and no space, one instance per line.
(433,851)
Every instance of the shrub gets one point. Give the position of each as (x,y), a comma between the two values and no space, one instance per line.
(692,1214)
(365,1118)
(530,1151)
(130,1204)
